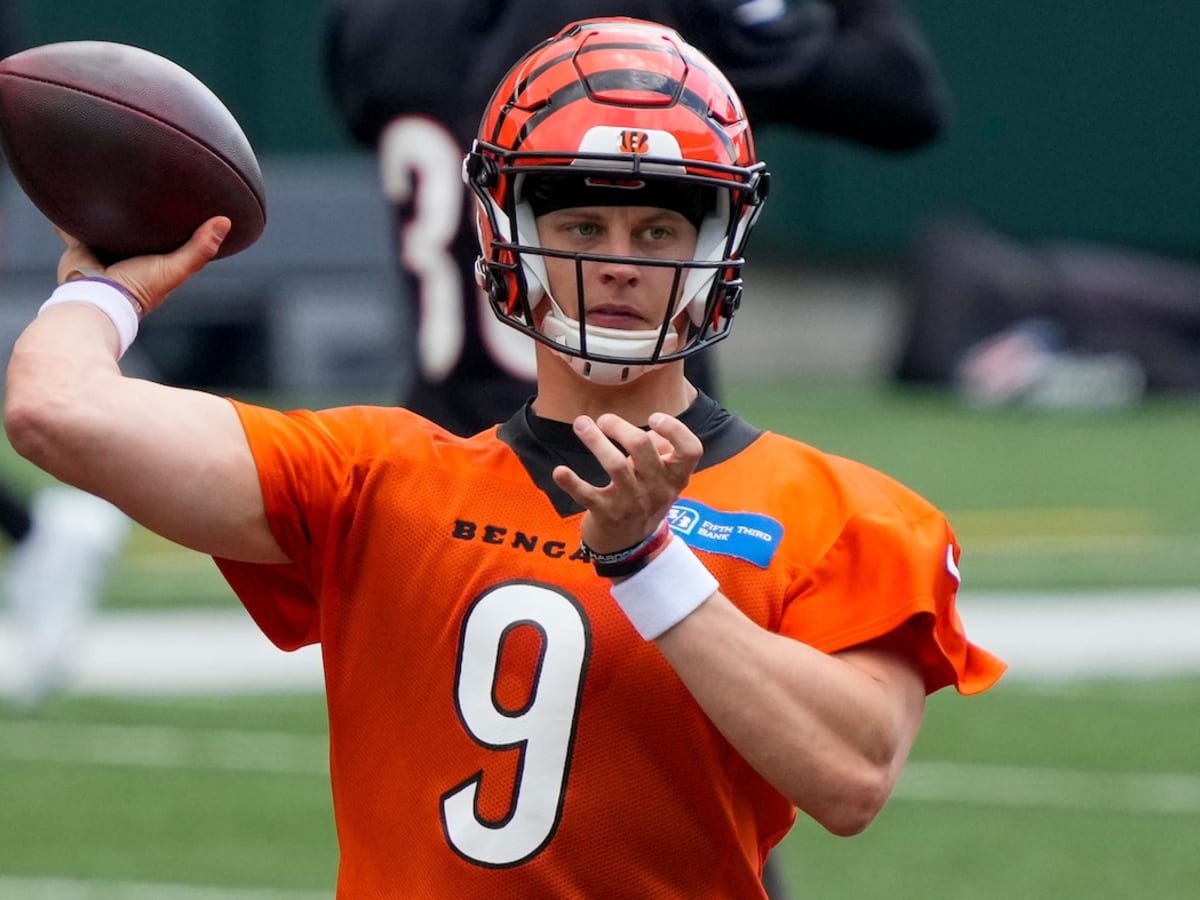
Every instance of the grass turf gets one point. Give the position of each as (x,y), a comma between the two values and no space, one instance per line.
(206,818)
(1068,501)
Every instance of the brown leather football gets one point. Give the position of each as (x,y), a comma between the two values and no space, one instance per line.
(126,150)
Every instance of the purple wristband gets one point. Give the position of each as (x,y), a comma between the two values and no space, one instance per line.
(88,275)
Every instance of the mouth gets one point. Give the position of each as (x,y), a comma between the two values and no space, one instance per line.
(616,315)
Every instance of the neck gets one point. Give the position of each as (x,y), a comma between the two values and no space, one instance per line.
(563,394)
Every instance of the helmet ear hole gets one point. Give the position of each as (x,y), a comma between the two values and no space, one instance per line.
(501,289)
(481,170)
(497,289)
(733,299)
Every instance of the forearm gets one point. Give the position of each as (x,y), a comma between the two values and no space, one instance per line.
(831,733)
(828,734)
(60,375)
(143,446)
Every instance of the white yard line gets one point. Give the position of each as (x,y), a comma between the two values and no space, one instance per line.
(1064,636)
(927,781)
(1043,637)
(164,747)
(196,652)
(306,755)
(81,889)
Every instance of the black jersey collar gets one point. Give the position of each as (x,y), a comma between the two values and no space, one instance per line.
(541,444)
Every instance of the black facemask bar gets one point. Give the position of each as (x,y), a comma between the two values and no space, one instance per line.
(489,167)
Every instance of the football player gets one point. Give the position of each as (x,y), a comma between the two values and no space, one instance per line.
(859,70)
(610,646)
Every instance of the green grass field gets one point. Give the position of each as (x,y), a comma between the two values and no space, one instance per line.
(1030,791)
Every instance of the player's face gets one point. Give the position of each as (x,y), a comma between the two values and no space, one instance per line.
(617,294)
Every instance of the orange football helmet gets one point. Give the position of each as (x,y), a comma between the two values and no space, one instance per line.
(627,105)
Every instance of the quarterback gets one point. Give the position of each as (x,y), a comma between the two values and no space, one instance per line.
(609,647)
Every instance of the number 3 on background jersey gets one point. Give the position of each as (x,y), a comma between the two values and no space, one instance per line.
(543,730)
(421,170)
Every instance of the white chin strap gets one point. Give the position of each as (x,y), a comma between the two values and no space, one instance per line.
(630,345)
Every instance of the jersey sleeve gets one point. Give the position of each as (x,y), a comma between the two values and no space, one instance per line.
(306,467)
(894,563)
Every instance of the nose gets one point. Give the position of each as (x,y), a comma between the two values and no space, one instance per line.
(620,274)
(624,274)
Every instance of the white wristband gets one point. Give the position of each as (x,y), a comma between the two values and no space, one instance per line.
(106,298)
(669,588)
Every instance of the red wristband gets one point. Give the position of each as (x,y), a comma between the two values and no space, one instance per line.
(633,559)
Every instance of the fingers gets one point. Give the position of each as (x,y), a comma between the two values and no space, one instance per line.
(177,266)
(628,454)
(75,256)
(648,470)
(150,278)
(668,450)
(68,240)
(687,448)
(667,446)
(204,243)
(610,458)
(606,436)
(578,489)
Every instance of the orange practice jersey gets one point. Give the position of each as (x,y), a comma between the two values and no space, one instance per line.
(497,727)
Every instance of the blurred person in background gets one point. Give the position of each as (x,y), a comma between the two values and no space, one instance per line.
(61,544)
(409,77)
(1052,325)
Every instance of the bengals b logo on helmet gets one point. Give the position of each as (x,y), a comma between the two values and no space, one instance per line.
(634,141)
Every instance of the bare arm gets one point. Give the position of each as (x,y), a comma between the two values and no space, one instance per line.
(830,732)
(175,460)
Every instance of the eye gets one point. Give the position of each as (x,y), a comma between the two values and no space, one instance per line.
(584,229)
(657,233)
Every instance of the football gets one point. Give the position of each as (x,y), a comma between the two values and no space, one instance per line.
(126,150)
